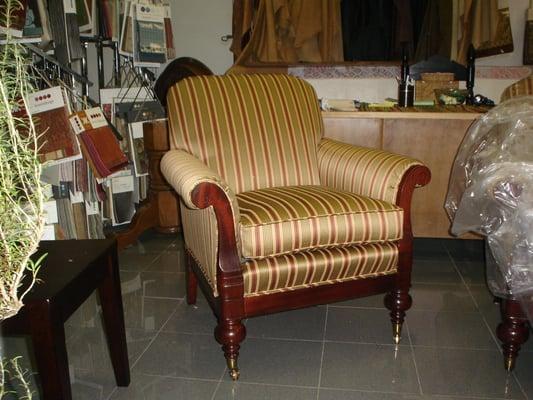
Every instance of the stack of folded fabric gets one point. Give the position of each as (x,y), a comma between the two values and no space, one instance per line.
(98,143)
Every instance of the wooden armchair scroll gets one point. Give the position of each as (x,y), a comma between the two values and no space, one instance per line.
(275,217)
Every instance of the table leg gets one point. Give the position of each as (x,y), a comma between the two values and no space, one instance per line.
(113,316)
(513,331)
(48,336)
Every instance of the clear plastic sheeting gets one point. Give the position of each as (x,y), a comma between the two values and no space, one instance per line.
(491,193)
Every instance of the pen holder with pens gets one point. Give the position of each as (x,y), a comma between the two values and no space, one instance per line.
(406,94)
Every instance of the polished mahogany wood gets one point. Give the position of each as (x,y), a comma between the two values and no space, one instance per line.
(513,331)
(71,271)
(231,307)
(192,282)
(161,209)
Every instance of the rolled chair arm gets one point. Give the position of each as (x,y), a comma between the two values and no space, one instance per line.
(368,172)
(200,187)
(185,173)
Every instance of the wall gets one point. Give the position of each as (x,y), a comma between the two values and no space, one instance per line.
(198,26)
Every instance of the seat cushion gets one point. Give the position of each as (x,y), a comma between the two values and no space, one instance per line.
(318,267)
(290,219)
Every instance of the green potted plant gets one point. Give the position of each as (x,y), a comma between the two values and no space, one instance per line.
(21,192)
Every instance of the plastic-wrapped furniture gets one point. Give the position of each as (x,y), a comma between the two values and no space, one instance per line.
(491,193)
(275,217)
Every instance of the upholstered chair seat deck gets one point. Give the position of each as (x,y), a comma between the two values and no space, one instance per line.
(276,217)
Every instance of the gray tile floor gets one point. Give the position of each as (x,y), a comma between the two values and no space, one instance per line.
(339,351)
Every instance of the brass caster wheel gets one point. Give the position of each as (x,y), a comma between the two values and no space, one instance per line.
(234,373)
(397,333)
(233,369)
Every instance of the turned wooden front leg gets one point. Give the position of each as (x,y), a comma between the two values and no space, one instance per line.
(230,333)
(513,331)
(398,302)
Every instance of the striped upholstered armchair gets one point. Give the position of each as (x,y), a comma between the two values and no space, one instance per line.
(275,216)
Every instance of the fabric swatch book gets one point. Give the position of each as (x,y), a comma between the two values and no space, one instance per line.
(33,23)
(149,35)
(98,142)
(57,141)
(18,17)
(65,30)
(84,16)
(126,34)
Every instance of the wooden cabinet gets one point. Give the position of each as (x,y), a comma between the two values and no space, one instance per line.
(430,137)
(161,209)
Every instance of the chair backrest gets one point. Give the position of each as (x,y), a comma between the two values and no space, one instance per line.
(256,131)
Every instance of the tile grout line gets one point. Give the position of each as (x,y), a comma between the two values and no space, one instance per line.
(495,340)
(322,355)
(414,360)
(115,389)
(218,383)
(145,349)
(155,336)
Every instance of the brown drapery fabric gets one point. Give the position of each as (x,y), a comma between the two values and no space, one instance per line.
(288,31)
(451,25)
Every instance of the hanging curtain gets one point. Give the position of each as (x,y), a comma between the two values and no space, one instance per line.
(243,13)
(288,31)
(450,27)
(485,26)
(436,33)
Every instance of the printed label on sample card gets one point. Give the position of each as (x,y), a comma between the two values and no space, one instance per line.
(69,6)
(122,184)
(46,100)
(91,118)
(50,212)
(150,12)
(91,208)
(76,197)
(96,117)
(77,124)
(49,233)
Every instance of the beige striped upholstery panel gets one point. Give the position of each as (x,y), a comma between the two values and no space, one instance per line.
(290,219)
(200,231)
(318,267)
(367,172)
(255,131)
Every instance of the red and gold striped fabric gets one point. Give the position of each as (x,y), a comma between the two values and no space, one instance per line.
(185,172)
(200,232)
(524,87)
(367,172)
(318,267)
(290,219)
(255,131)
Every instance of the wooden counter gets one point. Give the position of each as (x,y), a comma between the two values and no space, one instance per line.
(431,137)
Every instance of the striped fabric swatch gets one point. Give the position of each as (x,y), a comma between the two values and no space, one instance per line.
(318,267)
(201,238)
(255,131)
(523,87)
(289,219)
(367,172)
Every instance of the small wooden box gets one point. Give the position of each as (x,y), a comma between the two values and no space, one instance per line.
(425,88)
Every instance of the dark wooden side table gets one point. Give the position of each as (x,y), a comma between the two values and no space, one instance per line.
(72,270)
